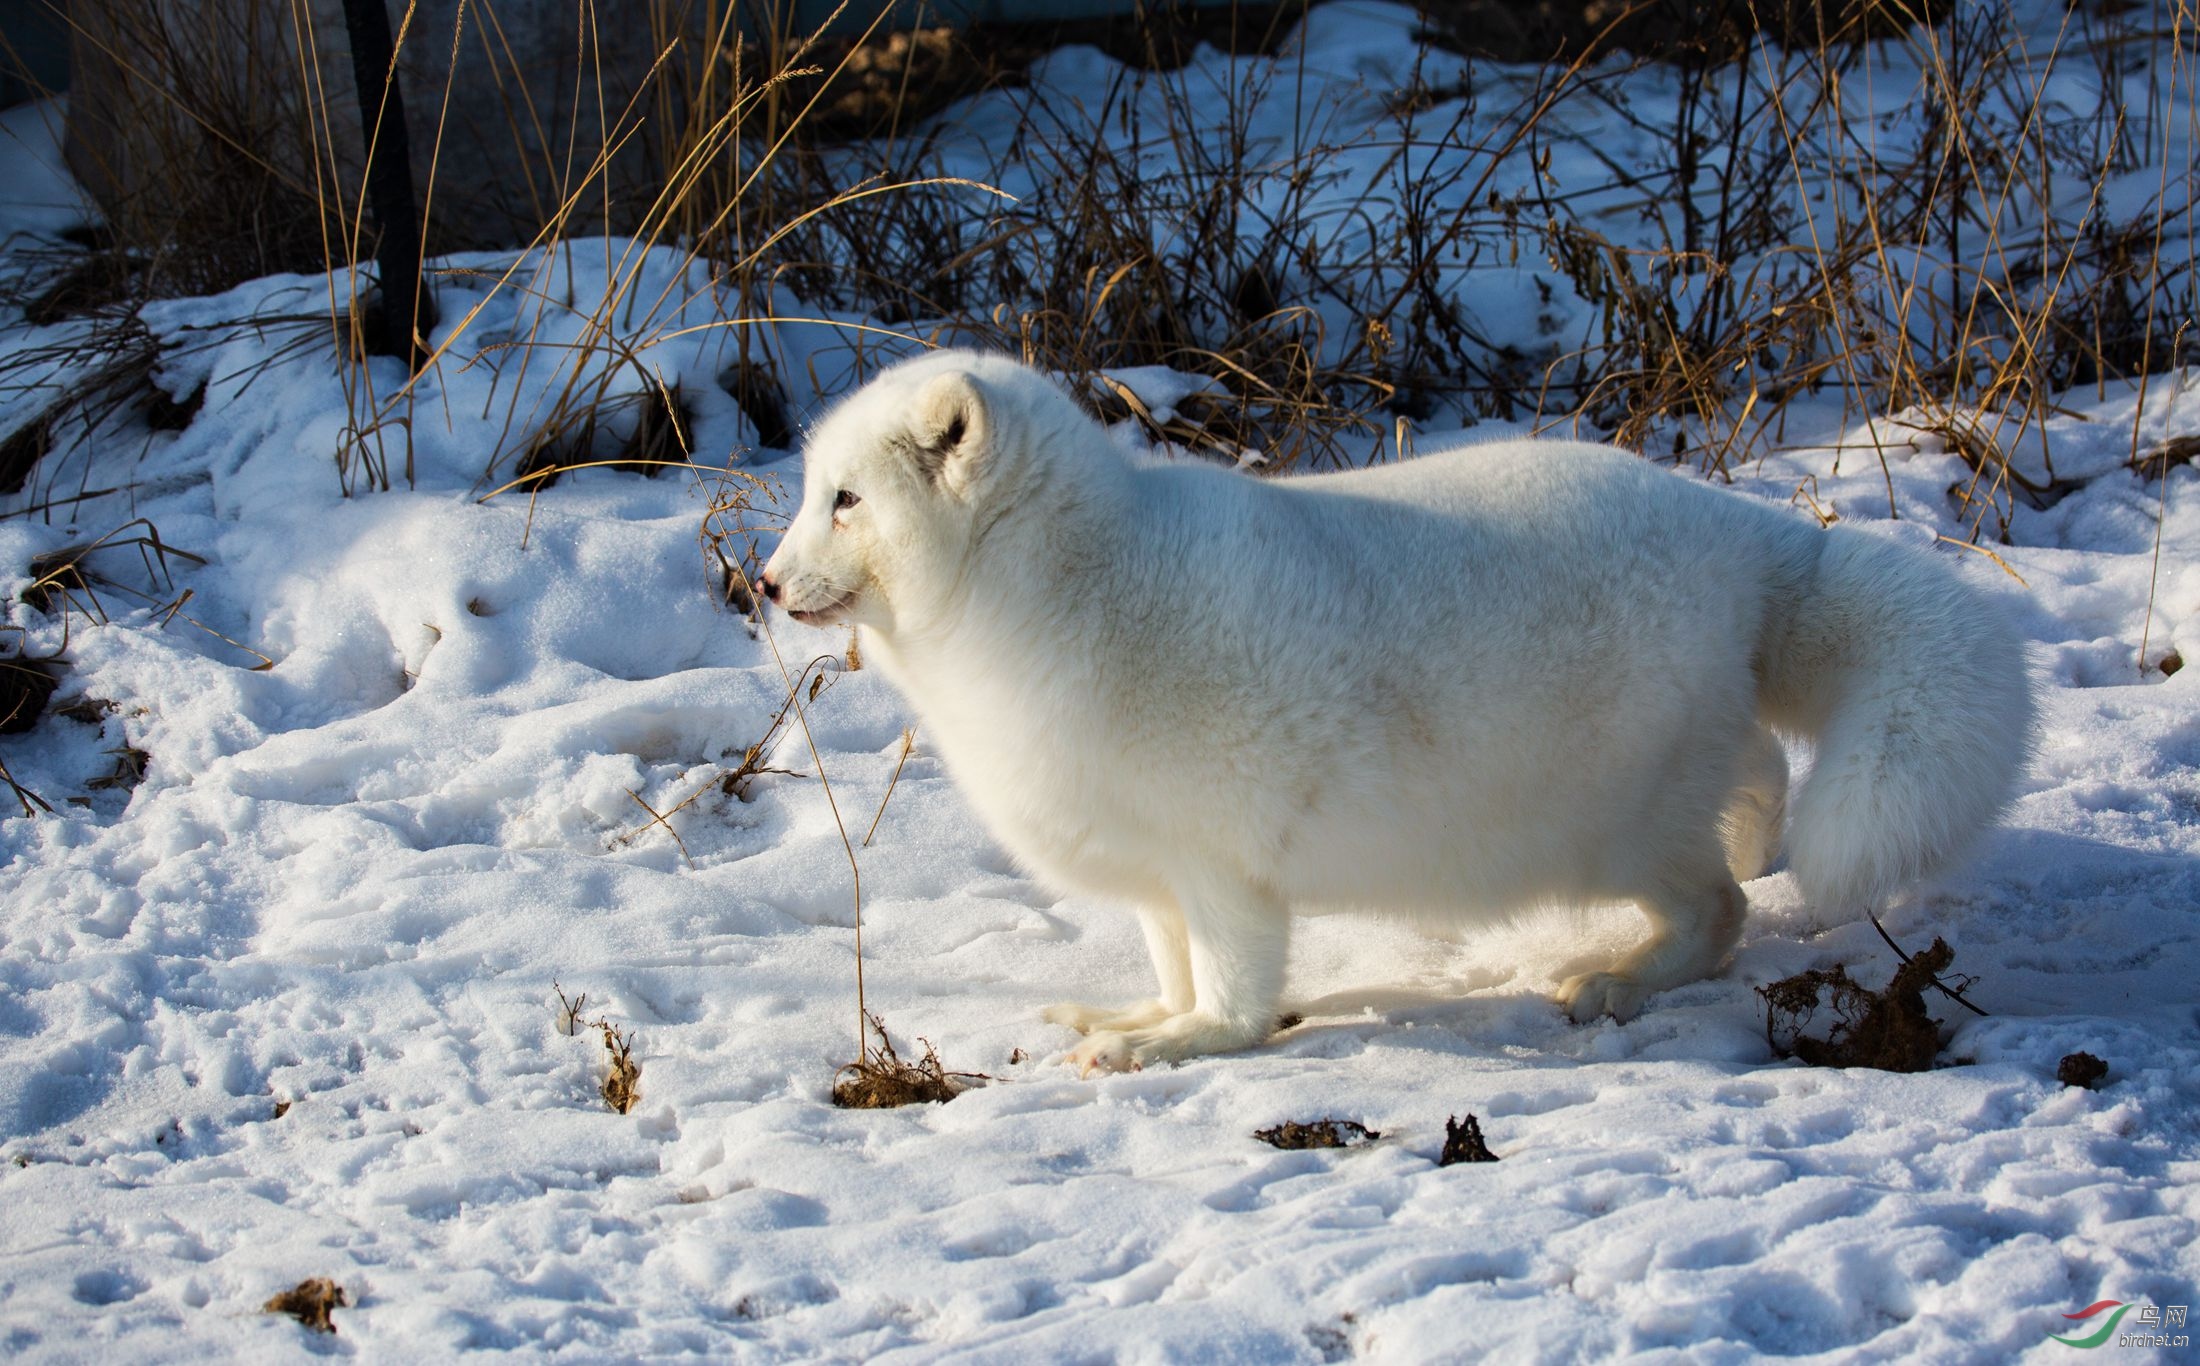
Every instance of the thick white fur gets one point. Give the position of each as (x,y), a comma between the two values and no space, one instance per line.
(1501,675)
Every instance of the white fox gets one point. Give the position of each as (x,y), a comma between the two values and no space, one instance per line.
(1500,675)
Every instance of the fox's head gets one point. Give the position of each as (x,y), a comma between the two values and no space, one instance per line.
(903,481)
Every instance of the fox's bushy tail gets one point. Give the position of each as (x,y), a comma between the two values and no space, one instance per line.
(1912,685)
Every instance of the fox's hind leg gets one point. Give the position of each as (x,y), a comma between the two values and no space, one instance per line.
(1170,949)
(1695,922)
(1750,826)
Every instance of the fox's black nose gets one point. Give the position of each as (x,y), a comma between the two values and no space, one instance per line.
(771,588)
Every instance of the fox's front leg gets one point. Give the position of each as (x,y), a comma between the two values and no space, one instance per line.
(1236,938)
(1172,967)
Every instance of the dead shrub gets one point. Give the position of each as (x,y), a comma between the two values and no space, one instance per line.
(1887,1029)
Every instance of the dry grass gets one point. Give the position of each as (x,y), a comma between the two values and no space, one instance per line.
(74,582)
(126,773)
(622,1078)
(66,580)
(621,1087)
(755,762)
(1960,275)
(70,390)
(881,1080)
(26,681)
(1971,269)
(311,1302)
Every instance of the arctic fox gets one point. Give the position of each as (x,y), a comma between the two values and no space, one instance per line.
(1501,675)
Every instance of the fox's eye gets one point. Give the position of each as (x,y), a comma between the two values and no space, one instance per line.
(844,499)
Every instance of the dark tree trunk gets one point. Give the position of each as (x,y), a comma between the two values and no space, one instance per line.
(407,311)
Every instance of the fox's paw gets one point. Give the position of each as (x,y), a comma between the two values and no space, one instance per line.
(1189,1035)
(1085,1019)
(1107,1051)
(1591,994)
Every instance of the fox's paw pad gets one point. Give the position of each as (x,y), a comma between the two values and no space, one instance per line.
(1086,1019)
(1592,994)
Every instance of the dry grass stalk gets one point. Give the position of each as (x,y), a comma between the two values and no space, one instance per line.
(58,577)
(569,1010)
(908,743)
(736,782)
(128,771)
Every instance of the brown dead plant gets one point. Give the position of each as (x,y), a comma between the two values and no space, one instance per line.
(1292,1135)
(311,1302)
(1463,1143)
(621,1088)
(882,1080)
(1887,1029)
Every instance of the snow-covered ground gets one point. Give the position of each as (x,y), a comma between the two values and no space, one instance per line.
(289,1007)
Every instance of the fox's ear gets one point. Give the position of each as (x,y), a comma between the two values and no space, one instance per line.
(952,430)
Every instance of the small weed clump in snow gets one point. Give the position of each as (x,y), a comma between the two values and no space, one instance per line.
(1887,1029)
(882,1081)
(310,1302)
(1321,1133)
(1463,1142)
(622,1082)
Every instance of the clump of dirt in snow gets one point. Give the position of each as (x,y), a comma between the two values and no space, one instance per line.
(310,1302)
(881,1080)
(1463,1142)
(1887,1029)
(2081,1069)
(1321,1133)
